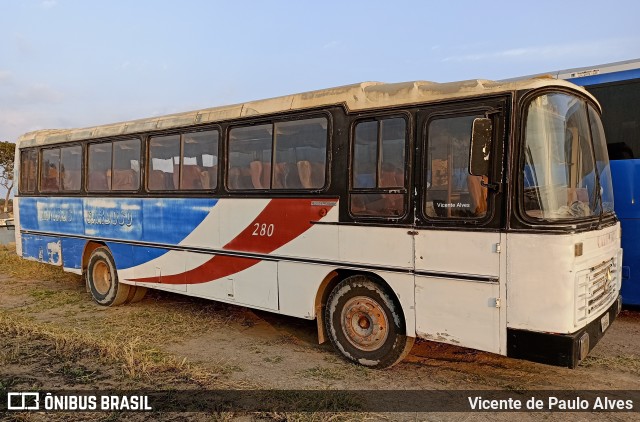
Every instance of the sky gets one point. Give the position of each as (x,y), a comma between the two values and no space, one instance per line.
(77,63)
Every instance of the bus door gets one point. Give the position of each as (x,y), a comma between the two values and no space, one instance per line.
(459,290)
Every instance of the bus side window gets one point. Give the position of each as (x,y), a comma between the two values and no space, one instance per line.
(249,155)
(99,163)
(28,170)
(50,172)
(114,165)
(125,173)
(451,191)
(71,168)
(199,160)
(300,154)
(378,163)
(163,166)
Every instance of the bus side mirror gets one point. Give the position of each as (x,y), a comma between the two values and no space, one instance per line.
(480,147)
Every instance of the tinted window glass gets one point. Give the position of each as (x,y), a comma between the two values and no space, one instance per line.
(126,165)
(300,154)
(451,191)
(28,170)
(71,168)
(164,155)
(365,155)
(50,172)
(379,164)
(114,165)
(200,160)
(250,157)
(99,166)
(392,160)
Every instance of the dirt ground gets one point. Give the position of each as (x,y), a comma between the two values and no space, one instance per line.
(53,336)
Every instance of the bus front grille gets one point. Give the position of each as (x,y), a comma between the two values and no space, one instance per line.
(596,289)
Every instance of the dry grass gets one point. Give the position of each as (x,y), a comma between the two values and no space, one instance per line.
(53,334)
(630,363)
(16,267)
(134,358)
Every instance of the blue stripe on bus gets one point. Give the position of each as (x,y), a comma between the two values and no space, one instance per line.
(165,220)
(623,75)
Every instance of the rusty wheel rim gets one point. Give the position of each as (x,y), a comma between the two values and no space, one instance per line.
(101,277)
(365,323)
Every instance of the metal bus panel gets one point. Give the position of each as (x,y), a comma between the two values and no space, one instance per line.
(459,270)
(376,246)
(476,320)
(544,263)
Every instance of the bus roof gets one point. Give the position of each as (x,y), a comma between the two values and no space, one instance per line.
(356,97)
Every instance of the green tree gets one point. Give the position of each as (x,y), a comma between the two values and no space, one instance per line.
(7,156)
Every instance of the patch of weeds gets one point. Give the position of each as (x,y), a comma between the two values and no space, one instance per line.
(333,359)
(10,354)
(76,374)
(273,359)
(55,298)
(255,349)
(228,369)
(282,339)
(321,372)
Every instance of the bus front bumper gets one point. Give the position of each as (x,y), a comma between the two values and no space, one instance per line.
(561,349)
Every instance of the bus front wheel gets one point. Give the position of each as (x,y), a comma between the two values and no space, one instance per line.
(102,278)
(365,324)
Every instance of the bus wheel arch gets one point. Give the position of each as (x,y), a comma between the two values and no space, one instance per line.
(375,335)
(86,254)
(102,278)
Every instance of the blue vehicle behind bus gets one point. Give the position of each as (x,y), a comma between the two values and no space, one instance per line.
(617,88)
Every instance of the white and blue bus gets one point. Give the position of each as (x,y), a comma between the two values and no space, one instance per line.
(474,213)
(617,87)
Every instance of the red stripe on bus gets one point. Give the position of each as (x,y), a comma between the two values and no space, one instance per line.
(281,221)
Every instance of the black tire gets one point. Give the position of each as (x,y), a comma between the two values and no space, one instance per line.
(365,324)
(136,294)
(102,279)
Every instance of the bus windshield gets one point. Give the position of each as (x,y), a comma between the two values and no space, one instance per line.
(566,168)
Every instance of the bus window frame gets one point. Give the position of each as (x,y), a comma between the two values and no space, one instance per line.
(111,191)
(498,109)
(180,133)
(35,190)
(408,168)
(314,114)
(520,219)
(41,153)
(60,191)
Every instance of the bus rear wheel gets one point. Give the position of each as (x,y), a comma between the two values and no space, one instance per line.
(365,324)
(102,279)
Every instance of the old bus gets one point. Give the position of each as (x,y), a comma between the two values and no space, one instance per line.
(474,213)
